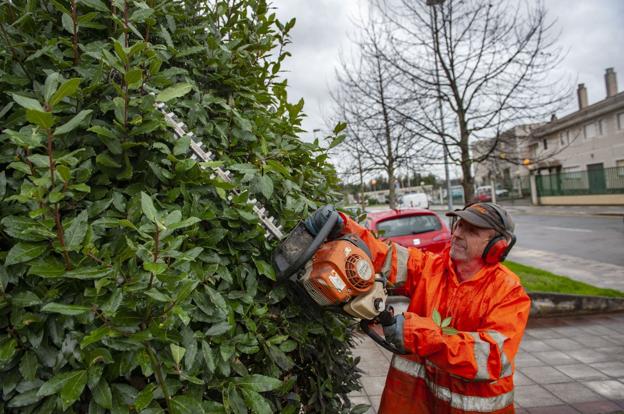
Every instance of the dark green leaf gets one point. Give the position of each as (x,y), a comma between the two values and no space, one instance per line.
(65,309)
(265,269)
(28,366)
(87,273)
(208,357)
(28,103)
(112,304)
(105,160)
(56,383)
(218,329)
(147,205)
(95,4)
(156,295)
(24,399)
(7,350)
(256,402)
(264,184)
(73,386)
(337,141)
(134,76)
(48,267)
(75,233)
(173,92)
(68,23)
(177,352)
(259,383)
(43,119)
(97,335)
(186,404)
(24,252)
(25,299)
(72,123)
(67,88)
(340,126)
(144,397)
(102,394)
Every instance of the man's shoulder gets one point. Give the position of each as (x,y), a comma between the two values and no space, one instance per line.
(506,278)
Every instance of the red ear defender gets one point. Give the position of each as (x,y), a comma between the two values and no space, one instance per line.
(496,250)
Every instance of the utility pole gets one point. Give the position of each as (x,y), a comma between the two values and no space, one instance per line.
(434,26)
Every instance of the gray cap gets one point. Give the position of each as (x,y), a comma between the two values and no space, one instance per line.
(487,216)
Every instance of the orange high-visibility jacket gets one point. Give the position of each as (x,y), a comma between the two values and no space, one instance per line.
(467,372)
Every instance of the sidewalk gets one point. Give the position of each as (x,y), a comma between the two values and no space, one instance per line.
(595,273)
(565,365)
(550,210)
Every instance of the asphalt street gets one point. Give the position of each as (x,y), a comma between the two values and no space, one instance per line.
(572,241)
(588,237)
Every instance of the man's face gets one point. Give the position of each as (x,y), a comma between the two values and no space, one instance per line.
(468,241)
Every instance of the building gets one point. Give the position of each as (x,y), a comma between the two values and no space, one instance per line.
(581,153)
(507,164)
(589,139)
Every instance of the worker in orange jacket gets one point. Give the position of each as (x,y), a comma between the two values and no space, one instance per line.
(470,370)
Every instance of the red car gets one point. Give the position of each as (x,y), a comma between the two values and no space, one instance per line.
(414,227)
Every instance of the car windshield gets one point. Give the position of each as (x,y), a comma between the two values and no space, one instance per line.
(403,226)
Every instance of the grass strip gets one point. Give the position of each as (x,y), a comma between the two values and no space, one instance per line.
(538,280)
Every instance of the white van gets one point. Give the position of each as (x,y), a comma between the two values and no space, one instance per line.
(414,200)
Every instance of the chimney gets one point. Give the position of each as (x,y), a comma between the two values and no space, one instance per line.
(610,82)
(581,93)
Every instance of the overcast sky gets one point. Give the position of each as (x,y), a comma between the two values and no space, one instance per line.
(591,30)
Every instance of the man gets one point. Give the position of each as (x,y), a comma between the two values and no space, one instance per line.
(470,371)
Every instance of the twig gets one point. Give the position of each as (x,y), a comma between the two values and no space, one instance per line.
(159,375)
(74,16)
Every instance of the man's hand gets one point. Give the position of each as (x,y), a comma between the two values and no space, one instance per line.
(317,220)
(393,328)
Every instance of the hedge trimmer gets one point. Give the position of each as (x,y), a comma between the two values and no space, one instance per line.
(334,274)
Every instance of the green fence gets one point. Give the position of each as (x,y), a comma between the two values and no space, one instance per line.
(594,181)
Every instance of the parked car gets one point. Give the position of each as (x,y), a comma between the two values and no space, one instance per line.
(484,193)
(414,227)
(414,200)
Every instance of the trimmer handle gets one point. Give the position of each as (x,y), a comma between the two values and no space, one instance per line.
(280,260)
(366,327)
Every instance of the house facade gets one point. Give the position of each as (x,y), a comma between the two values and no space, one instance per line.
(581,153)
(591,138)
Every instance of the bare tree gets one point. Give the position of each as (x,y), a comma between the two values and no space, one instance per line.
(488,63)
(366,93)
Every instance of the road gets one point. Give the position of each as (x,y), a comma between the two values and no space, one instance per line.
(588,237)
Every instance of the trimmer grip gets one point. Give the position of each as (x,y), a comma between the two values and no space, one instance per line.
(365,325)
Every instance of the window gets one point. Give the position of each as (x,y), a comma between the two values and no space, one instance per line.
(545,144)
(573,173)
(404,226)
(533,150)
(620,121)
(564,138)
(620,167)
(590,130)
(602,127)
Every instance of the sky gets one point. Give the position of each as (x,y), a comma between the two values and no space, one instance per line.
(592,33)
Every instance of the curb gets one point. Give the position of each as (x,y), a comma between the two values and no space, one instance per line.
(559,304)
(544,305)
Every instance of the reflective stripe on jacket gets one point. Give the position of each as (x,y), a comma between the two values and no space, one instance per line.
(467,372)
